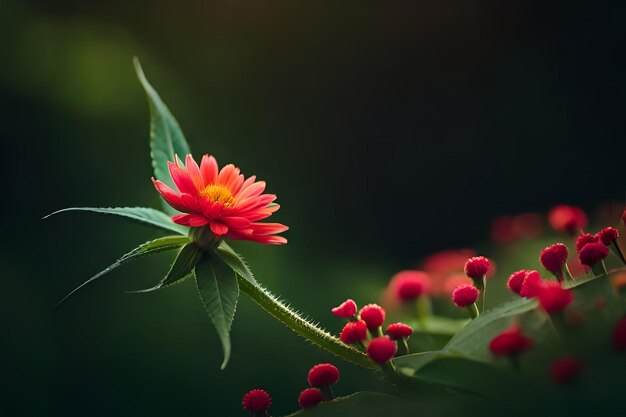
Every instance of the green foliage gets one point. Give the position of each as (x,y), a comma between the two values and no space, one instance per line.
(152,247)
(166,137)
(181,268)
(218,289)
(235,261)
(144,215)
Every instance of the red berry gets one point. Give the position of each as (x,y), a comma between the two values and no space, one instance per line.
(373,315)
(608,235)
(477,267)
(323,374)
(465,295)
(399,331)
(345,310)
(515,281)
(585,238)
(564,369)
(568,219)
(531,284)
(592,253)
(553,258)
(353,332)
(381,349)
(553,298)
(510,342)
(411,286)
(310,397)
(619,335)
(256,400)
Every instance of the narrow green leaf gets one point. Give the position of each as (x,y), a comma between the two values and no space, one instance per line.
(143,215)
(152,247)
(362,404)
(235,261)
(410,364)
(181,269)
(219,291)
(166,137)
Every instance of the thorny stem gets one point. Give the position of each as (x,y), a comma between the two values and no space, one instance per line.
(301,326)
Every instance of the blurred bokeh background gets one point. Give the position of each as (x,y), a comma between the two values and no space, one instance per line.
(389,130)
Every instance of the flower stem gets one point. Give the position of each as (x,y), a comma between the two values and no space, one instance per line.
(293,320)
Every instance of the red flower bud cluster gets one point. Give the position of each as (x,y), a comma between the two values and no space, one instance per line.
(256,400)
(553,258)
(381,349)
(553,298)
(399,331)
(477,267)
(567,219)
(345,310)
(373,315)
(592,253)
(320,377)
(510,342)
(465,295)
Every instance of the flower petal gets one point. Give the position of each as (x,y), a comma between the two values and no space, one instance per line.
(182,179)
(208,169)
(171,196)
(268,228)
(192,220)
(218,228)
(236,222)
(252,190)
(194,172)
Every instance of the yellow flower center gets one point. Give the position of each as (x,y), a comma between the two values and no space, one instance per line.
(215,193)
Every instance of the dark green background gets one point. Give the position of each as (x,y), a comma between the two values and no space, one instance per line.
(388,129)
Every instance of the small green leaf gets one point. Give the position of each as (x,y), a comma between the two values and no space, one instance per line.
(235,261)
(181,269)
(152,247)
(143,215)
(219,291)
(166,137)
(410,364)
(362,404)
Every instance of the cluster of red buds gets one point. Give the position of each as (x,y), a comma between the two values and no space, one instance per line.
(465,295)
(365,330)
(320,378)
(552,297)
(593,249)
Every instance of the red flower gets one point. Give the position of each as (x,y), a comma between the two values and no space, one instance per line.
(592,253)
(477,267)
(553,298)
(568,219)
(231,206)
(510,342)
(373,315)
(531,284)
(585,238)
(381,349)
(619,335)
(398,331)
(553,258)
(257,400)
(345,310)
(410,284)
(608,235)
(465,295)
(353,332)
(310,397)
(323,374)
(564,369)
(515,281)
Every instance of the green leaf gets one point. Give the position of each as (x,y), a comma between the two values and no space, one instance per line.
(235,261)
(143,215)
(362,404)
(410,364)
(467,376)
(219,291)
(166,137)
(181,268)
(472,340)
(152,247)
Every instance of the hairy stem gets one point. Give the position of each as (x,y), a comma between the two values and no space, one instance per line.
(303,327)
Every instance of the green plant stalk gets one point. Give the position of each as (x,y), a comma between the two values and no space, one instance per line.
(311,332)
